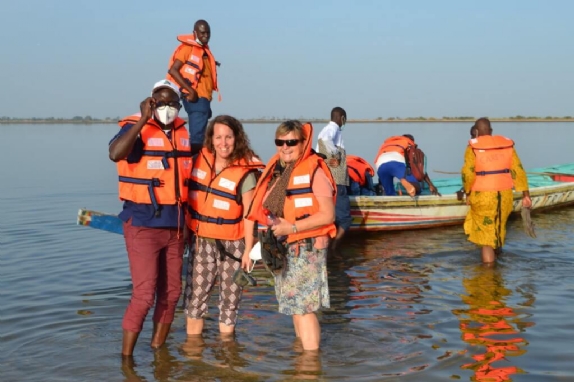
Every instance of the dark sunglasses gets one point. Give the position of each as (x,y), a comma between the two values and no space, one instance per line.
(161,104)
(288,142)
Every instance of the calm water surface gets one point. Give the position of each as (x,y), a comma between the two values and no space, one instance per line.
(408,306)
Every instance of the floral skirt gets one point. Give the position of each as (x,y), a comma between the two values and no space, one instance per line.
(302,286)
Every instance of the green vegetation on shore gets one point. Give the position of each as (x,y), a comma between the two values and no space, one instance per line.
(90,120)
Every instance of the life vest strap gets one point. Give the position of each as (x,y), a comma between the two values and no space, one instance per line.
(299,191)
(208,219)
(167,154)
(194,186)
(150,183)
(190,63)
(223,252)
(483,173)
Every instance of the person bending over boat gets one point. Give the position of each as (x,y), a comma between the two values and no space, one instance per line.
(298,190)
(390,163)
(221,187)
(491,169)
(360,176)
(419,185)
(193,67)
(153,158)
(330,143)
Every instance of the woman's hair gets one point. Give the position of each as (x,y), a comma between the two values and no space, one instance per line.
(242,149)
(289,126)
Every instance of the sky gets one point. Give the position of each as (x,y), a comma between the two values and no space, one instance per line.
(295,59)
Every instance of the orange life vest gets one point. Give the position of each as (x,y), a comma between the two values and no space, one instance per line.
(300,202)
(159,177)
(193,66)
(358,167)
(397,144)
(493,163)
(214,202)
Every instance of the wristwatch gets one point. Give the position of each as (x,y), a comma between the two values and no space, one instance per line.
(294,228)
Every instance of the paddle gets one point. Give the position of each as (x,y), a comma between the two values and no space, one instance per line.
(527,172)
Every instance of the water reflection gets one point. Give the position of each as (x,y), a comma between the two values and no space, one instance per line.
(129,370)
(489,322)
(307,364)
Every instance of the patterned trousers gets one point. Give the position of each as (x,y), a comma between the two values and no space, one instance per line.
(205,267)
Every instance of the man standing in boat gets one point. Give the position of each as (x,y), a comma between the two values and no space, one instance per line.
(194,69)
(491,170)
(330,144)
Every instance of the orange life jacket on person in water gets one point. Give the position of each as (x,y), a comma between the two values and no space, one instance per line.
(214,204)
(300,202)
(158,178)
(357,168)
(193,66)
(493,162)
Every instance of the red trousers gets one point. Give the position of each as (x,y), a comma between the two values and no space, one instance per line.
(156,258)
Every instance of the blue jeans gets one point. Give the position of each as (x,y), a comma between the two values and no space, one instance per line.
(198,113)
(390,170)
(343,217)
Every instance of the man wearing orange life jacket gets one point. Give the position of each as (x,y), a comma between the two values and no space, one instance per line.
(491,170)
(221,187)
(390,163)
(295,197)
(194,69)
(153,157)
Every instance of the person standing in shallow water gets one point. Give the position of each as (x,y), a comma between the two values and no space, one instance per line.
(330,143)
(221,187)
(151,150)
(491,170)
(298,189)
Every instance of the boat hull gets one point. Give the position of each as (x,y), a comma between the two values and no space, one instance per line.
(550,187)
(393,213)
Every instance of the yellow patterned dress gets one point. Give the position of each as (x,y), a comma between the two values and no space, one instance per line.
(485,223)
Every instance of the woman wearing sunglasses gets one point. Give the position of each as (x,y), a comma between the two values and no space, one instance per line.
(221,188)
(298,189)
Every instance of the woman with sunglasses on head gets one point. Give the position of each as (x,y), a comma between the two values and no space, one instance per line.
(221,187)
(298,191)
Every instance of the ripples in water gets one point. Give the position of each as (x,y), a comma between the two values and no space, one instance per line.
(409,306)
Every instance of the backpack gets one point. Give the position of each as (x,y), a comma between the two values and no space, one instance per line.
(415,159)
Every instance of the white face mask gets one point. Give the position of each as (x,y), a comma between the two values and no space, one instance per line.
(166,114)
(199,42)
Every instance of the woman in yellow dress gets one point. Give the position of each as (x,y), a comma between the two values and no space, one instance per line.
(491,170)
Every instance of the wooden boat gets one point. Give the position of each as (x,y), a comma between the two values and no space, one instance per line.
(550,187)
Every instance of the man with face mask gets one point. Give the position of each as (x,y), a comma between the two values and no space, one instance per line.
(330,144)
(194,69)
(153,157)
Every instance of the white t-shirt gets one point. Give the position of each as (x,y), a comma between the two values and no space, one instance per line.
(391,156)
(332,137)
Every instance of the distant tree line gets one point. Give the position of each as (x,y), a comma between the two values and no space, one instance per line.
(89,119)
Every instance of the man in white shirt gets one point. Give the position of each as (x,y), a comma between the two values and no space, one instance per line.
(330,143)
